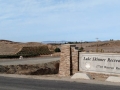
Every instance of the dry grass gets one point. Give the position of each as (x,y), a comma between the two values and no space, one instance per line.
(104,47)
(11,48)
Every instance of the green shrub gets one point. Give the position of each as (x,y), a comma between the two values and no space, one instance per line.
(57,50)
(41,50)
(81,49)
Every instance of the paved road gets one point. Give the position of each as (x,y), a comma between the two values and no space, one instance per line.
(28,60)
(33,84)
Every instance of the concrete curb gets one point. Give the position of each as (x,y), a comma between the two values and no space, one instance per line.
(80,76)
(113,79)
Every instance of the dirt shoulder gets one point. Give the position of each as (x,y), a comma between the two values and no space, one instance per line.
(31,69)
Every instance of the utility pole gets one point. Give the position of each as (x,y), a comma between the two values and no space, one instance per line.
(81,43)
(97,45)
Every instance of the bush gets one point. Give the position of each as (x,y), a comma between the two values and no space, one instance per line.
(81,49)
(57,50)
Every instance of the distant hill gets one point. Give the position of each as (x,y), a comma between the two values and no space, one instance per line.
(54,42)
(10,47)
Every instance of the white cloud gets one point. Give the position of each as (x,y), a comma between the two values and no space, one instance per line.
(16,8)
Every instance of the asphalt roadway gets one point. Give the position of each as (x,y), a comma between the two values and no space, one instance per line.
(28,60)
(15,82)
(8,83)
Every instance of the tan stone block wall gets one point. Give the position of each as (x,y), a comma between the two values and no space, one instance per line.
(64,69)
(74,60)
(68,60)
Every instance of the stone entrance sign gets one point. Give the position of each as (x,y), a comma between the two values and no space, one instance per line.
(73,61)
(98,62)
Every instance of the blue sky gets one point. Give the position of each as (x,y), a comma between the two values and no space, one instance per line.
(56,20)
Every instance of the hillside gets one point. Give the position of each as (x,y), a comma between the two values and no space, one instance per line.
(11,48)
(101,46)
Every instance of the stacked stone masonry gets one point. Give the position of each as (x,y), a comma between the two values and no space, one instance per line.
(68,60)
(74,60)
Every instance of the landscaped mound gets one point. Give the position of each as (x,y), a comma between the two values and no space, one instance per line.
(30,52)
(34,51)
